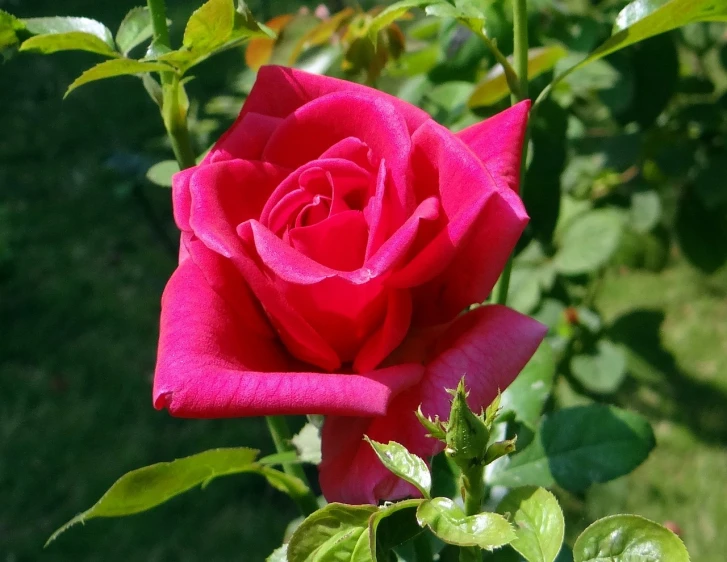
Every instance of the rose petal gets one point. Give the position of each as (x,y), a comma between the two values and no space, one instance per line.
(489,346)
(279,91)
(299,337)
(475,207)
(338,242)
(498,142)
(246,140)
(306,134)
(226,370)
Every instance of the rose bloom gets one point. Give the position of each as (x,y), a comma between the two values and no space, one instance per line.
(332,243)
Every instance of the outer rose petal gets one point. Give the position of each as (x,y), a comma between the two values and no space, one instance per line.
(225,369)
(498,142)
(489,346)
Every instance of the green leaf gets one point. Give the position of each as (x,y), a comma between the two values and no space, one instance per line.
(392,526)
(602,371)
(645,210)
(642,19)
(290,485)
(449,523)
(116,67)
(539,523)
(334,532)
(209,26)
(68,34)
(404,464)
(527,394)
(135,28)
(213,28)
(72,41)
(580,446)
(308,444)
(161,173)
(152,485)
(589,242)
(280,554)
(9,24)
(628,538)
(494,87)
(391,13)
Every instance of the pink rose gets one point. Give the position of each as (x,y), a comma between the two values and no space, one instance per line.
(331,241)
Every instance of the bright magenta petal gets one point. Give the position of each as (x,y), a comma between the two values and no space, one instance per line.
(498,142)
(225,369)
(279,91)
(488,346)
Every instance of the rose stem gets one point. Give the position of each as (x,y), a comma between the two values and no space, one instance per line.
(473,491)
(175,120)
(520,55)
(281,435)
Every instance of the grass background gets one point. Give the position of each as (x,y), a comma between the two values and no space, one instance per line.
(82,268)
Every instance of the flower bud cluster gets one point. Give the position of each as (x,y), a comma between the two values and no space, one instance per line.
(466,434)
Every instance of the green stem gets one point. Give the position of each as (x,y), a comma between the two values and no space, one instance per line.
(520,47)
(173,113)
(281,435)
(158,11)
(473,492)
(520,60)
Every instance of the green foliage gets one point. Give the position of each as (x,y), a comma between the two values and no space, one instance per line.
(448,522)
(601,371)
(147,487)
(495,85)
(135,29)
(405,465)
(161,173)
(589,242)
(538,520)
(642,19)
(576,447)
(627,538)
(55,34)
(528,393)
(335,532)
(215,27)
(116,67)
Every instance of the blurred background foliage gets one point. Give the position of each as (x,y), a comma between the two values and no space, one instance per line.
(624,259)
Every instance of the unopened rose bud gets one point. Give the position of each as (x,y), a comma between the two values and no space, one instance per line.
(467,433)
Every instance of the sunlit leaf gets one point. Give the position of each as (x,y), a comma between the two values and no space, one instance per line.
(161,173)
(135,28)
(335,532)
(393,12)
(601,371)
(209,26)
(628,538)
(152,485)
(404,464)
(539,523)
(642,19)
(449,523)
(115,67)
(589,242)
(494,87)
